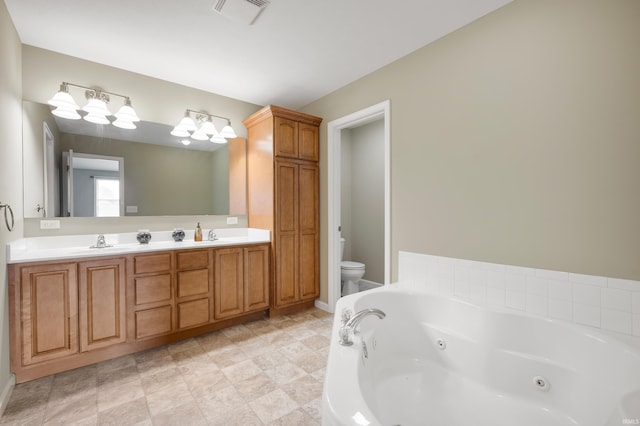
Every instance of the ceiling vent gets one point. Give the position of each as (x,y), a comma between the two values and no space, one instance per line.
(241,11)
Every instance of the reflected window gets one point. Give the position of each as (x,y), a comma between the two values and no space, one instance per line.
(107,197)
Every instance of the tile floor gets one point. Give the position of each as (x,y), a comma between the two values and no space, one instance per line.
(266,372)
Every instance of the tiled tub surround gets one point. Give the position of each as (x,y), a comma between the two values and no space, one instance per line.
(78,246)
(607,303)
(266,372)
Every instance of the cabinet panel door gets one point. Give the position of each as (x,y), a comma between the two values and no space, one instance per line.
(256,278)
(103,314)
(228,283)
(152,289)
(193,313)
(147,264)
(286,285)
(286,137)
(308,142)
(286,197)
(192,259)
(193,282)
(153,322)
(309,256)
(49,312)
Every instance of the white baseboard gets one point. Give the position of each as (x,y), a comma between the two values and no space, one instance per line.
(6,393)
(324,306)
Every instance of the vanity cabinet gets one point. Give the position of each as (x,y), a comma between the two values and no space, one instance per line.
(283,196)
(66,314)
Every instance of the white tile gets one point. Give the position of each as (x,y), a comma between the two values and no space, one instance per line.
(616,299)
(588,279)
(496,279)
(520,270)
(537,286)
(588,315)
(515,300)
(636,325)
(616,321)
(446,271)
(628,285)
(478,293)
(552,275)
(445,287)
(561,290)
(516,282)
(586,294)
(496,267)
(635,302)
(496,296)
(561,309)
(536,304)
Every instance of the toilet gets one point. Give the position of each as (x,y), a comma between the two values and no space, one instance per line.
(350,273)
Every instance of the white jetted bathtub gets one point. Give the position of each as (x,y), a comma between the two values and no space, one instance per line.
(435,361)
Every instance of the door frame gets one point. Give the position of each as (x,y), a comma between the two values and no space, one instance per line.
(375,112)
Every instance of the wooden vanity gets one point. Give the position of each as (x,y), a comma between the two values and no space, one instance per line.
(69,313)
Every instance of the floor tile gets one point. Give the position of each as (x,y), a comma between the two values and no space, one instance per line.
(273,405)
(130,413)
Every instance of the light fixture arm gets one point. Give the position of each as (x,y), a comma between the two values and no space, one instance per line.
(202,114)
(95,92)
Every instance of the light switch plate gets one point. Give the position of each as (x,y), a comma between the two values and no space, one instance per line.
(232,220)
(49,224)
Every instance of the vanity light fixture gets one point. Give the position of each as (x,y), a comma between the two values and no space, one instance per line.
(96,108)
(204,129)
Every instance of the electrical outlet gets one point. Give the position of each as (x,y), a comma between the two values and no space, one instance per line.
(232,220)
(49,224)
(132,209)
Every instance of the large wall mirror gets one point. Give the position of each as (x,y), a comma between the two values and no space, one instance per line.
(76,168)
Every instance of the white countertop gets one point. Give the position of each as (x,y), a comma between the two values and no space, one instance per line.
(78,246)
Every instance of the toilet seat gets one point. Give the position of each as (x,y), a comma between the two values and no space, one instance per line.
(346,264)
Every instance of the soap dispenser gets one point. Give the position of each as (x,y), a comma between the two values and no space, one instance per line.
(197,236)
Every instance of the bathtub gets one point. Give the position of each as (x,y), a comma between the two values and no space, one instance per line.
(446,362)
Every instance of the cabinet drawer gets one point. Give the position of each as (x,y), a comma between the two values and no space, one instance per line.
(154,288)
(152,322)
(193,259)
(193,313)
(191,283)
(152,263)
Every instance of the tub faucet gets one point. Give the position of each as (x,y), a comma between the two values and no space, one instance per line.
(350,327)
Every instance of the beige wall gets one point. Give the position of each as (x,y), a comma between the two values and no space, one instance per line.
(10,172)
(515,139)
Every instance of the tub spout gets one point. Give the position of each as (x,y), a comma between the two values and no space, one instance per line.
(350,327)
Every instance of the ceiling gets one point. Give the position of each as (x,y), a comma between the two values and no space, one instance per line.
(296,51)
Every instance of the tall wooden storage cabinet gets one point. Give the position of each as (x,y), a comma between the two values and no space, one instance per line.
(283,192)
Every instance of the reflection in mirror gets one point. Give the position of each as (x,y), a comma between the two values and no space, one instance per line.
(91,185)
(161,176)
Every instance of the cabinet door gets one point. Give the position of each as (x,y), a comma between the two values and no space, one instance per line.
(49,312)
(308,209)
(228,282)
(103,314)
(286,233)
(308,142)
(256,278)
(285,137)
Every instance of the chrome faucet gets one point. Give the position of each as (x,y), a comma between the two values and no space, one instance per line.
(211,236)
(349,327)
(101,243)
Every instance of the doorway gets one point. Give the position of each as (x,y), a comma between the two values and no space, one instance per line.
(335,130)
